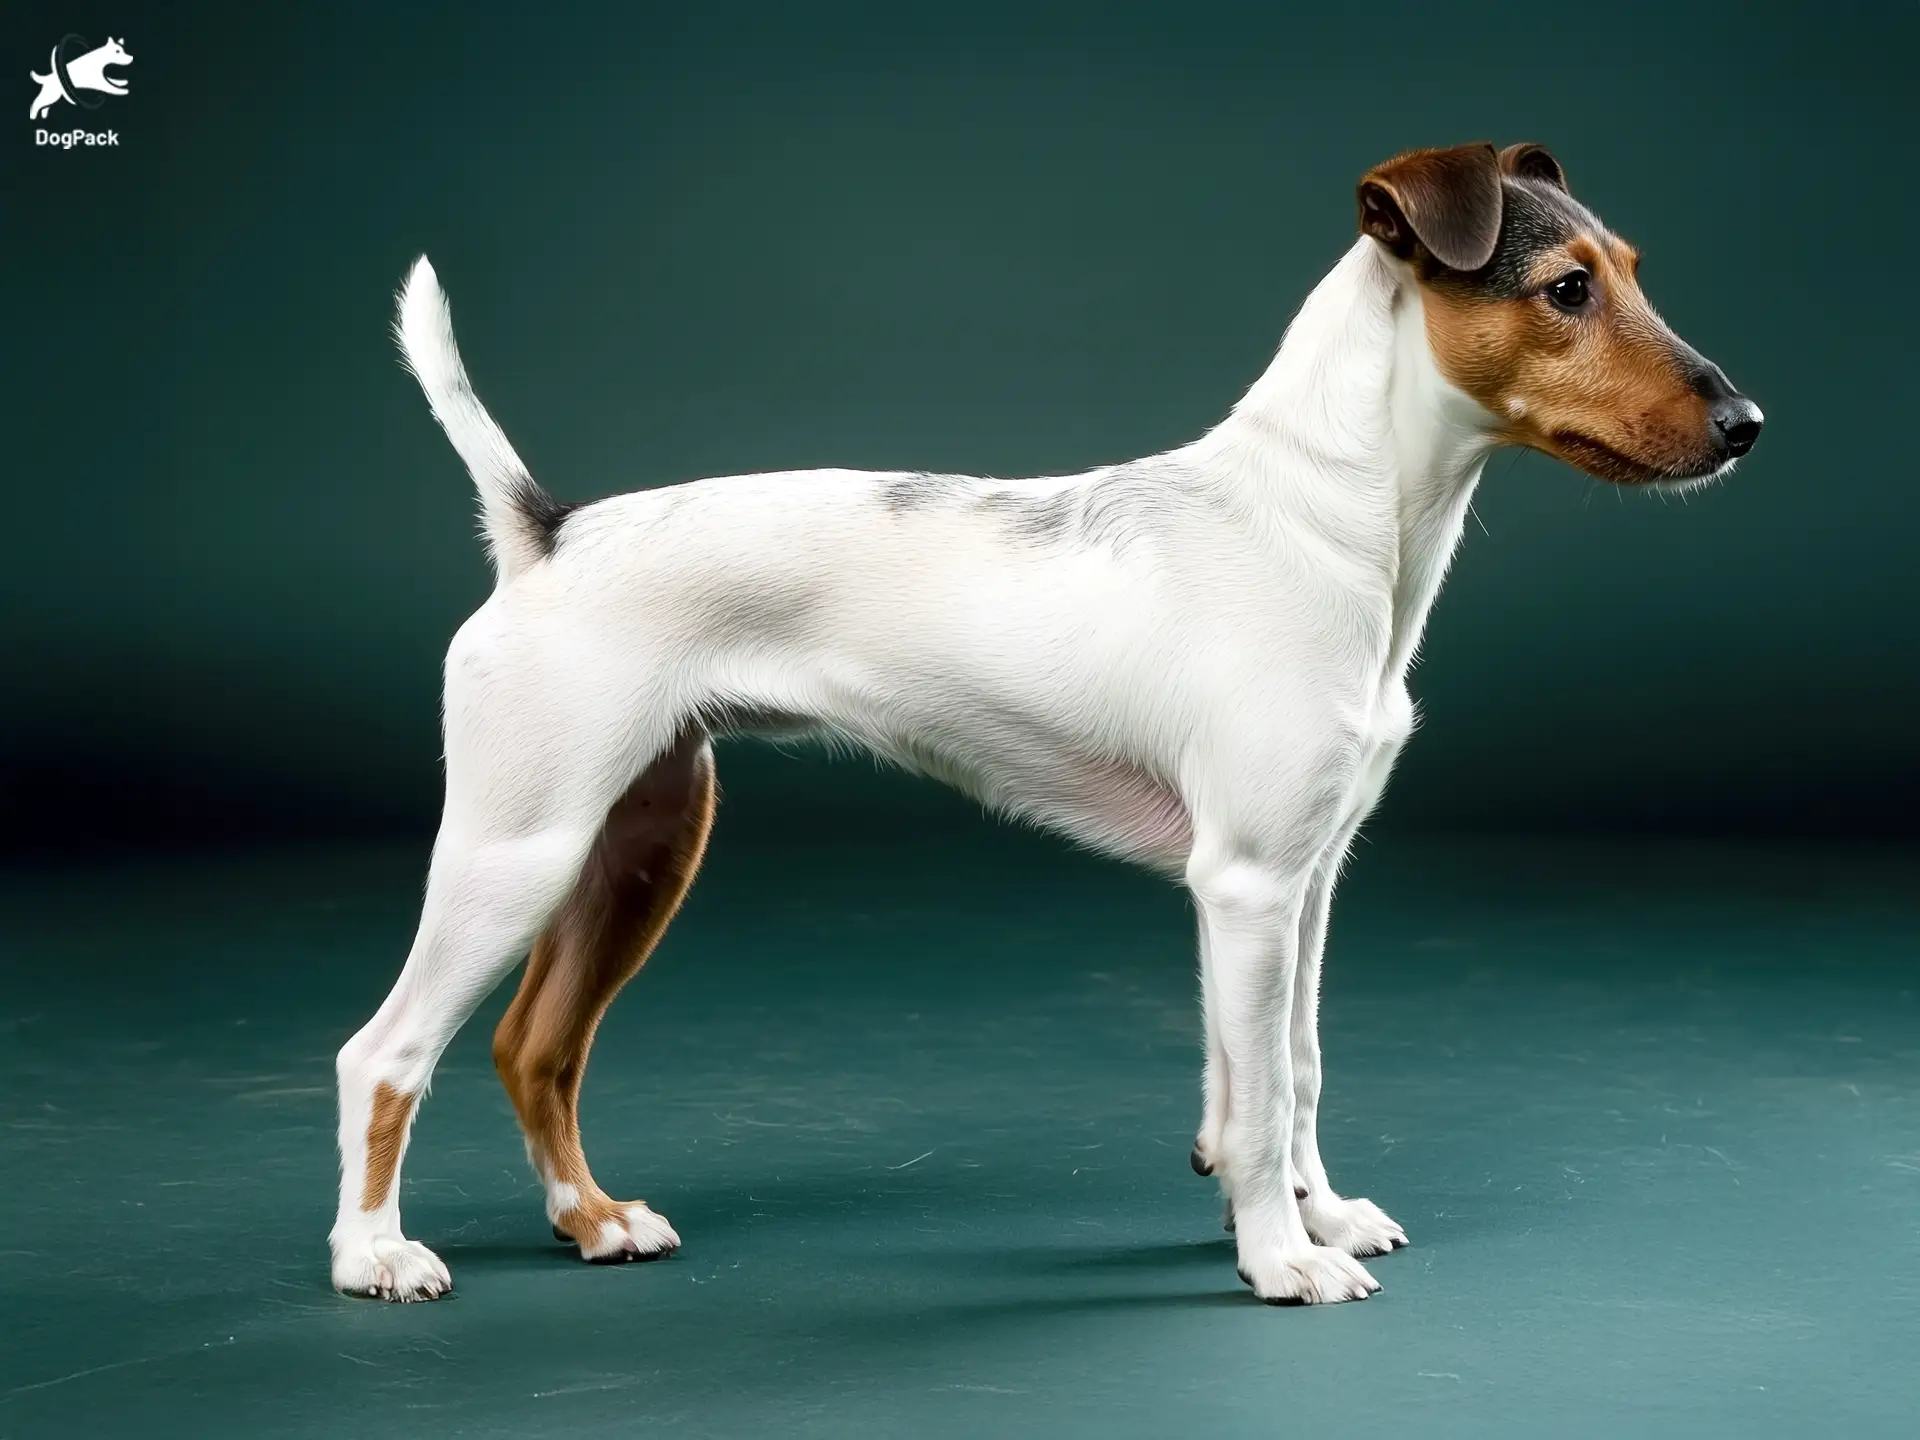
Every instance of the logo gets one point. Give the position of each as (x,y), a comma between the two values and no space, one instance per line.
(78,76)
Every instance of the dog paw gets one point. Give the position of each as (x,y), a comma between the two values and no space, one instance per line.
(1306,1275)
(615,1234)
(390,1269)
(1359,1227)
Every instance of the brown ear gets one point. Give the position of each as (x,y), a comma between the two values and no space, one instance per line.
(1446,201)
(1532,162)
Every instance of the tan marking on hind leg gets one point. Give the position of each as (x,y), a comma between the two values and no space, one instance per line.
(627,893)
(386,1138)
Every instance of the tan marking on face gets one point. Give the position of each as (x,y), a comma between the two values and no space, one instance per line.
(386,1138)
(1608,390)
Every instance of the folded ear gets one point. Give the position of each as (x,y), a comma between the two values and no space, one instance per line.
(1532,162)
(1446,202)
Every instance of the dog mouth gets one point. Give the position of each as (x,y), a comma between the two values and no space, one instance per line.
(1604,462)
(1694,479)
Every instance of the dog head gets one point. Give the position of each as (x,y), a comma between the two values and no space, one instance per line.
(1533,307)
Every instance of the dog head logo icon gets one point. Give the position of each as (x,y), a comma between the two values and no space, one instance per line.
(76,71)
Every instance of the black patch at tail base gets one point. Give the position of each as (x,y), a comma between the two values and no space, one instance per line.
(541,510)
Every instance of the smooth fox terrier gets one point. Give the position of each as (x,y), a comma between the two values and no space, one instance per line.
(1196,661)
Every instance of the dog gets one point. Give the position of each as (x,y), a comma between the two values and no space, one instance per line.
(87,72)
(1195,661)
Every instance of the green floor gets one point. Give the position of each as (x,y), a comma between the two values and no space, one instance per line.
(921,1113)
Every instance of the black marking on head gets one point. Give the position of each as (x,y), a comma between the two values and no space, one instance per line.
(1536,216)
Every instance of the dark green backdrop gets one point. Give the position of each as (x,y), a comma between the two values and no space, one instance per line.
(997,238)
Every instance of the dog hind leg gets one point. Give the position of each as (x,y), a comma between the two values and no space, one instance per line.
(535,759)
(638,871)
(485,898)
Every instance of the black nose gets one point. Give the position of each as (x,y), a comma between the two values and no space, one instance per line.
(1736,425)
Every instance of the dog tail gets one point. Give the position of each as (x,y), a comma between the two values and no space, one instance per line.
(519,518)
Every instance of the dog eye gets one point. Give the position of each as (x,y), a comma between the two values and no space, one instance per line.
(1569,292)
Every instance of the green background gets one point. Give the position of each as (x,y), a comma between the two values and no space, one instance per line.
(1008,239)
(917,1091)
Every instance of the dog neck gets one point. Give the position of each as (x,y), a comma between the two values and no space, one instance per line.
(1353,433)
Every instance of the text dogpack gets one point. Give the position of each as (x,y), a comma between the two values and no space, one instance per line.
(68,139)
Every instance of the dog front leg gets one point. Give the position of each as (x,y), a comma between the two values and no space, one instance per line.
(1215,1088)
(1356,1226)
(1250,915)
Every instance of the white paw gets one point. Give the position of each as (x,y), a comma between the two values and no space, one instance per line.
(1358,1227)
(390,1269)
(1306,1275)
(632,1232)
